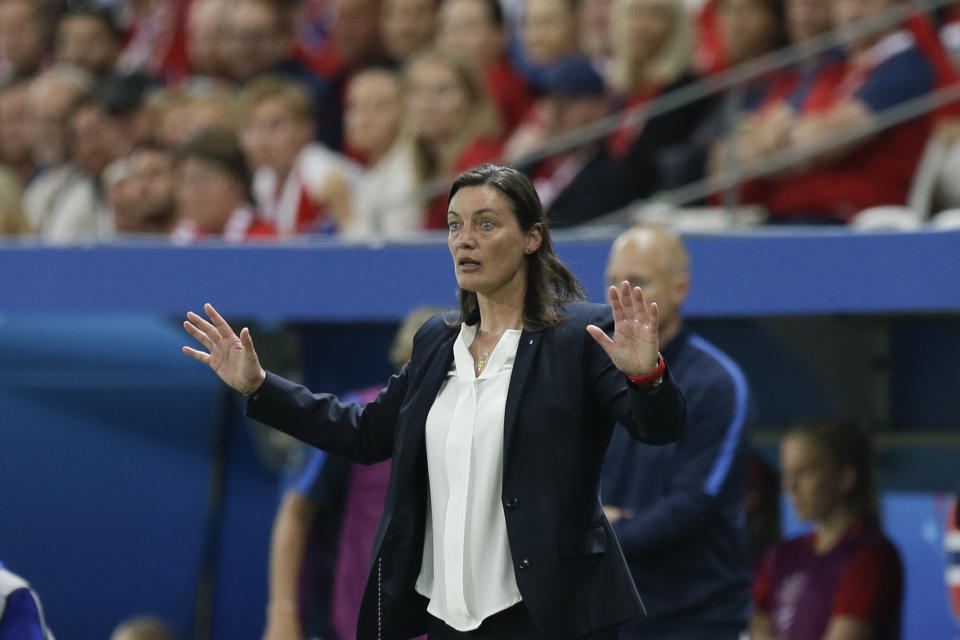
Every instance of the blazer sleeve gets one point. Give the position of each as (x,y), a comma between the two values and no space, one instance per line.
(653,415)
(360,434)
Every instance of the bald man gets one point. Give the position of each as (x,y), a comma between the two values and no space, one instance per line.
(678,509)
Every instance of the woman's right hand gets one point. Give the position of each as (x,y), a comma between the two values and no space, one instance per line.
(232,357)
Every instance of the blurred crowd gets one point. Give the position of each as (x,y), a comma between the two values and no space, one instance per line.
(262,119)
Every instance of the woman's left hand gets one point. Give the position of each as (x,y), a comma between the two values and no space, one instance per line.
(635,347)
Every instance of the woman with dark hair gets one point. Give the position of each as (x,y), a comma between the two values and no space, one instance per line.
(492,526)
(844,581)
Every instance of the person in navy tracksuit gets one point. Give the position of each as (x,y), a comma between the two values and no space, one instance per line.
(678,509)
(21,617)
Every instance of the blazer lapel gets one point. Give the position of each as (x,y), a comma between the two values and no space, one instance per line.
(411,438)
(526,354)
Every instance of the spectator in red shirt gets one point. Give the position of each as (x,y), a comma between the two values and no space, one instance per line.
(883,70)
(475,32)
(213,187)
(454,125)
(844,581)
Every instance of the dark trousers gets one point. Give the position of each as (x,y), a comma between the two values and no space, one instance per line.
(510,624)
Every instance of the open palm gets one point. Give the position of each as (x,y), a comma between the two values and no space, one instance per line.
(635,346)
(232,357)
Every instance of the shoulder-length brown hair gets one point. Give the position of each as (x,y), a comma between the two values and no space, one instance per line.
(550,284)
(848,444)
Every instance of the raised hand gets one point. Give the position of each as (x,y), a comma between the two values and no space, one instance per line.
(635,346)
(232,357)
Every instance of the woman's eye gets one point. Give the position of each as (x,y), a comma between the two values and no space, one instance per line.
(486,225)
(453,226)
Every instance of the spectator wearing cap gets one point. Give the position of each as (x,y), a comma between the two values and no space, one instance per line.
(453,123)
(25,35)
(15,149)
(213,192)
(475,32)
(573,185)
(90,38)
(296,180)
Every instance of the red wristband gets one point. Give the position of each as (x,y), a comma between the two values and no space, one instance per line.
(653,377)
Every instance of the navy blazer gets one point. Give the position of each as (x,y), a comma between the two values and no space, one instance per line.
(564,400)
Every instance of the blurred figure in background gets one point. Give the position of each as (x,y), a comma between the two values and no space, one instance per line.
(26,34)
(298,183)
(142,628)
(21,616)
(453,123)
(594,25)
(844,580)
(287,618)
(407,26)
(205,25)
(213,192)
(53,95)
(151,191)
(90,38)
(180,114)
(385,202)
(13,222)
(475,32)
(16,152)
(258,39)
(652,56)
(549,35)
(883,70)
(678,510)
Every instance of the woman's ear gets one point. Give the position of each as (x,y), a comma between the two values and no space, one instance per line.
(534,238)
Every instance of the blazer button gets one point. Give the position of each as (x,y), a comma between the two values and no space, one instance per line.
(523,564)
(512,502)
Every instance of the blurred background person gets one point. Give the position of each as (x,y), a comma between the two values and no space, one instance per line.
(475,32)
(291,612)
(155,39)
(292,180)
(407,26)
(21,616)
(258,39)
(16,152)
(205,26)
(549,34)
(179,114)
(149,191)
(453,123)
(26,35)
(213,192)
(13,221)
(88,37)
(844,580)
(883,70)
(384,202)
(593,28)
(651,56)
(678,510)
(142,628)
(53,95)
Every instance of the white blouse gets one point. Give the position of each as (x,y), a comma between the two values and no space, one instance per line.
(467,571)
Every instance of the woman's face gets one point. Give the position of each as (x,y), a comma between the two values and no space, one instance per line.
(373,114)
(437,101)
(486,242)
(648,29)
(549,30)
(811,479)
(207,194)
(467,31)
(748,28)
